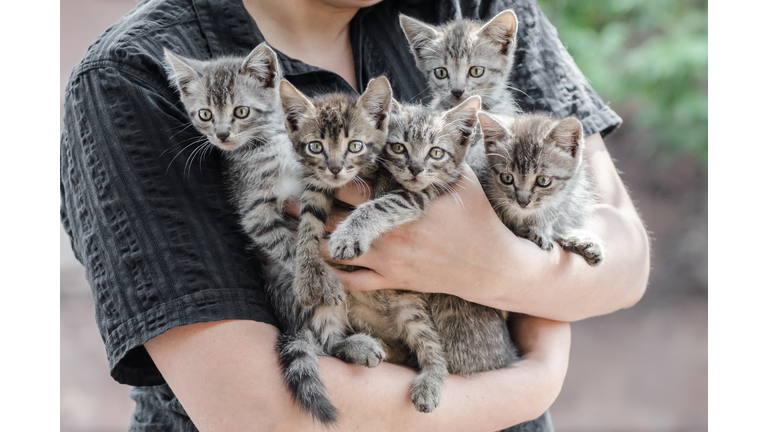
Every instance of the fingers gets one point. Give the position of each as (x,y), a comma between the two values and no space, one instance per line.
(354,193)
(362,280)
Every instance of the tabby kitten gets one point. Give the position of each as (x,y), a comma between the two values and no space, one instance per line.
(464,58)
(337,138)
(536,178)
(437,333)
(234,103)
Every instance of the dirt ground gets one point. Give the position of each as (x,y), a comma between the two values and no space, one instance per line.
(641,369)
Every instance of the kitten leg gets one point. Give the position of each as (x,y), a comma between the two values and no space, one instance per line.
(353,237)
(585,244)
(265,224)
(419,334)
(542,238)
(315,281)
(331,325)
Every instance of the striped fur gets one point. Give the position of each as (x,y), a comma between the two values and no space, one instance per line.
(337,138)
(535,147)
(437,333)
(460,49)
(262,172)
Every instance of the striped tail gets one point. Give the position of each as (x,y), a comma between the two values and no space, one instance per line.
(298,356)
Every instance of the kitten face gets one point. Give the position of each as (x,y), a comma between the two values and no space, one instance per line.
(425,147)
(464,58)
(532,157)
(338,136)
(227,98)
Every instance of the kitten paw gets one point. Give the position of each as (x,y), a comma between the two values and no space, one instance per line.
(541,240)
(592,253)
(425,393)
(345,246)
(360,349)
(318,284)
(585,245)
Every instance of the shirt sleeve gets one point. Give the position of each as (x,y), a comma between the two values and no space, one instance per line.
(545,77)
(143,202)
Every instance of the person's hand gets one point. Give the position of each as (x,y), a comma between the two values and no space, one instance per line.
(460,247)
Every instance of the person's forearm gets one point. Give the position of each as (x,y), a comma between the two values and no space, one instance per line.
(227,377)
(561,285)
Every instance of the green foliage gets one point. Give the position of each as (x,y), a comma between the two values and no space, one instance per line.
(649,57)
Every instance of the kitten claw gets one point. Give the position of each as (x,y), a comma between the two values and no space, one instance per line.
(344,247)
(590,250)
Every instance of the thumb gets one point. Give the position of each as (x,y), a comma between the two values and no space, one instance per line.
(362,280)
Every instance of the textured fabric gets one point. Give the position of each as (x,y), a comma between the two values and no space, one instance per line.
(149,217)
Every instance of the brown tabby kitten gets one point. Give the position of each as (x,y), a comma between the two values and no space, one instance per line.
(437,333)
(536,178)
(337,138)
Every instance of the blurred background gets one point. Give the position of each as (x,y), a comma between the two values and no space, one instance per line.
(641,369)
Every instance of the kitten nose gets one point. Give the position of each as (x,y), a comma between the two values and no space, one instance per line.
(222,135)
(334,169)
(457,93)
(415,169)
(523,201)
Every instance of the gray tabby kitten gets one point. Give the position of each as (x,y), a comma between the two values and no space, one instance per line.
(536,178)
(234,102)
(337,138)
(464,58)
(437,333)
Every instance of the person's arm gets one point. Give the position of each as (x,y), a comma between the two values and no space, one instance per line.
(465,250)
(227,377)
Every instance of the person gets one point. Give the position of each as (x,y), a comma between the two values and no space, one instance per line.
(179,298)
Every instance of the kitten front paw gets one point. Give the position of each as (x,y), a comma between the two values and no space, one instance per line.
(344,245)
(360,349)
(586,245)
(540,239)
(425,392)
(317,284)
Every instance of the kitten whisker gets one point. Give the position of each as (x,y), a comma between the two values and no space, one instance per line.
(197,141)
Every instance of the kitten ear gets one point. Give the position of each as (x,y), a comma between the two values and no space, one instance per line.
(262,64)
(464,118)
(502,30)
(419,34)
(376,101)
(295,105)
(180,72)
(493,131)
(568,135)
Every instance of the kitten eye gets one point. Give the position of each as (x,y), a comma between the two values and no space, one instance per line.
(242,112)
(205,114)
(315,147)
(476,71)
(506,179)
(441,73)
(398,148)
(543,181)
(436,152)
(355,146)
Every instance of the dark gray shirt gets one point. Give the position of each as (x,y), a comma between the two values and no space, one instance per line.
(149,217)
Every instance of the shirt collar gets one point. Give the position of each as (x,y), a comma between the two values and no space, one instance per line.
(230,30)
